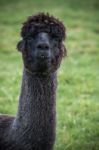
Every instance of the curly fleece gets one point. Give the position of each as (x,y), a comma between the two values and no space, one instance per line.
(43,23)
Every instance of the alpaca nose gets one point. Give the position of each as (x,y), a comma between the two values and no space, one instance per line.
(43,46)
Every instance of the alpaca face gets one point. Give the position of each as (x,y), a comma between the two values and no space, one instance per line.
(41,53)
(42,43)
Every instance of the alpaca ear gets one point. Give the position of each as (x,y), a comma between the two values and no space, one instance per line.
(21,46)
(64,50)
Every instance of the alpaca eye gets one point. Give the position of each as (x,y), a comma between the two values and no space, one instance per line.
(55,43)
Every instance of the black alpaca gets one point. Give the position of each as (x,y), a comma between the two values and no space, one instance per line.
(42,49)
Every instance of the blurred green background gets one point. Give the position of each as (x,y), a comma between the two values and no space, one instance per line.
(78,77)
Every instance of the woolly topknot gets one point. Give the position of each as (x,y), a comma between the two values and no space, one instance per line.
(42,22)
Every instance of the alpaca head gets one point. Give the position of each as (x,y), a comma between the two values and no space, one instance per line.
(42,43)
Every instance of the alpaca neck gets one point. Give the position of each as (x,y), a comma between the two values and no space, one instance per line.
(37,102)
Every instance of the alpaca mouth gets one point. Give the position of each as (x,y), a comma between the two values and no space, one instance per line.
(43,58)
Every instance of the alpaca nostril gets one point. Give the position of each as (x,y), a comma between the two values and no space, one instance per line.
(43,46)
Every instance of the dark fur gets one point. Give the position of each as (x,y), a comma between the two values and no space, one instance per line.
(33,128)
(43,23)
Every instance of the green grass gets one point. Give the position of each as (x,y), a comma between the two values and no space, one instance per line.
(78,88)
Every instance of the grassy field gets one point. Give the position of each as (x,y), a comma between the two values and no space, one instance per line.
(78,88)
